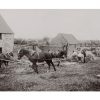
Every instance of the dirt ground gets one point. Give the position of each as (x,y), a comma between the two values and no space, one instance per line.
(68,77)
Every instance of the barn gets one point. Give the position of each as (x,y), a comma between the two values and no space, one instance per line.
(6,37)
(62,40)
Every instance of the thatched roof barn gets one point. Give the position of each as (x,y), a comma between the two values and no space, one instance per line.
(62,39)
(65,39)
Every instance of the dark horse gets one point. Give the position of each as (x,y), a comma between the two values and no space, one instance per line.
(5,58)
(37,57)
(40,57)
(60,54)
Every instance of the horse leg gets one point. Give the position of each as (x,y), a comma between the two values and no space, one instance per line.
(48,62)
(53,65)
(35,67)
(58,62)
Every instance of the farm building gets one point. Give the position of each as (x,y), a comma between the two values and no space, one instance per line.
(6,37)
(62,40)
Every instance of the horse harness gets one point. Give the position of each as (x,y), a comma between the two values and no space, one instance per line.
(35,53)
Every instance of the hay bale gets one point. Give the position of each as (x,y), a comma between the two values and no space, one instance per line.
(89,57)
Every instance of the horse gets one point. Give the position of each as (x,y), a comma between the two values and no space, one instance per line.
(5,57)
(58,54)
(37,57)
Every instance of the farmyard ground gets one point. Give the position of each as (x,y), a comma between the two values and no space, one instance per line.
(68,77)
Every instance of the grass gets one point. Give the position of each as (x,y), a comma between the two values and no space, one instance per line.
(71,77)
(67,78)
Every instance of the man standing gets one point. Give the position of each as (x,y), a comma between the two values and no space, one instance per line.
(65,48)
(84,53)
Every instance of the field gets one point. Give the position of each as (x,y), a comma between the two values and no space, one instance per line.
(68,77)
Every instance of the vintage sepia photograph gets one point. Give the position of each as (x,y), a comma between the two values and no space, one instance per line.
(49,49)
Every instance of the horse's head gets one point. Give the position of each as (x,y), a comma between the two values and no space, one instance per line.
(21,53)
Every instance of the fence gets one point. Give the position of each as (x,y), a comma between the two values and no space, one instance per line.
(89,45)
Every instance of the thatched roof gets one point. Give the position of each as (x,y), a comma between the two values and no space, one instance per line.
(4,27)
(62,39)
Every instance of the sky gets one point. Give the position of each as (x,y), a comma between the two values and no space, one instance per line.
(36,24)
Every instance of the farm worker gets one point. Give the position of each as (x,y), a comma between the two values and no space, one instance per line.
(32,51)
(65,48)
(84,53)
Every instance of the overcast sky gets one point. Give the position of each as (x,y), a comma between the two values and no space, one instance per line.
(83,24)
